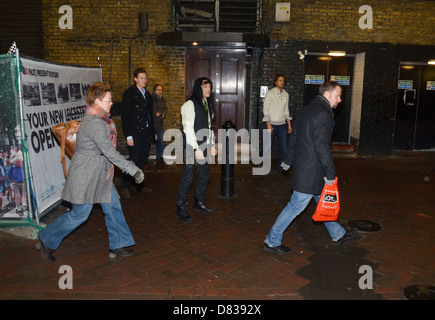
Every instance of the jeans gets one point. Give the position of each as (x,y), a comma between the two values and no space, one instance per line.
(187,177)
(298,202)
(280,132)
(117,228)
(159,144)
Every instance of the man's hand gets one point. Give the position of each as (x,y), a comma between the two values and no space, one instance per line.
(213,151)
(199,154)
(328,182)
(139,176)
(284,166)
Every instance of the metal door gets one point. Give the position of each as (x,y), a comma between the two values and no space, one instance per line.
(320,68)
(415,112)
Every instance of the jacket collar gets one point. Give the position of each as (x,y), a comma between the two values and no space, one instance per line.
(323,100)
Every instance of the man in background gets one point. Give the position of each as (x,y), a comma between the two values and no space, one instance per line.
(277,116)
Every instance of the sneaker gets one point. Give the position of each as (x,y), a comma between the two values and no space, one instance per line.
(279,249)
(121,252)
(350,234)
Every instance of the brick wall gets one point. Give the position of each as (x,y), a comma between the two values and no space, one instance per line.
(107,29)
(394,21)
(103,32)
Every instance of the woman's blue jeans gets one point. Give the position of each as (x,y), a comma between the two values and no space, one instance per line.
(159,144)
(298,202)
(117,228)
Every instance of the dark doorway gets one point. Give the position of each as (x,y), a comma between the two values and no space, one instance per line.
(323,68)
(225,68)
(415,113)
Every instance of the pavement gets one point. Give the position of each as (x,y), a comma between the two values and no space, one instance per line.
(221,257)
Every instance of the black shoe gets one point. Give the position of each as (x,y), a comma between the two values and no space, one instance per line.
(280,249)
(350,234)
(121,252)
(182,214)
(200,206)
(46,253)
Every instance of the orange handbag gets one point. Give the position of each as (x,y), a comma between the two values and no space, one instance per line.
(66,135)
(328,206)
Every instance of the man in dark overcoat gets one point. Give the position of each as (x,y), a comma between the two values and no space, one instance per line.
(137,125)
(309,152)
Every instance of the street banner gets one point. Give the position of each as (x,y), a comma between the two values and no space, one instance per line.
(13,178)
(52,93)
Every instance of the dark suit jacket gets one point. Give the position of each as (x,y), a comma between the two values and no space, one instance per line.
(137,113)
(309,149)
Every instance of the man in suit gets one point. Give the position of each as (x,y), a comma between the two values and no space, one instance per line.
(309,152)
(137,125)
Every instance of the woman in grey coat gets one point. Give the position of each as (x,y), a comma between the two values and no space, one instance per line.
(90,179)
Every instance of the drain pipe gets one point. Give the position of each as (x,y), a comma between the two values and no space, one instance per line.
(143,27)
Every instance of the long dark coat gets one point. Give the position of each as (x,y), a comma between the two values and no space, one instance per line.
(309,149)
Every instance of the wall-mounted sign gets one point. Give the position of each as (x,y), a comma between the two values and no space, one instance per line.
(405,84)
(263,91)
(282,12)
(314,79)
(430,85)
(343,80)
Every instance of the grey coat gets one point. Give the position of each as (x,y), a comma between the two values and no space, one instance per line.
(88,180)
(159,105)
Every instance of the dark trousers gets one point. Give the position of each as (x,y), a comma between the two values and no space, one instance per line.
(187,177)
(139,154)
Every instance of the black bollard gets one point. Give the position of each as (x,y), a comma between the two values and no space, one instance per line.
(227,173)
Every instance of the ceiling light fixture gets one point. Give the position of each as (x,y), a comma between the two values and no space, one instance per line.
(431,61)
(337,53)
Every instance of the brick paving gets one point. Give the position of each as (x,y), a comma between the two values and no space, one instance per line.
(221,256)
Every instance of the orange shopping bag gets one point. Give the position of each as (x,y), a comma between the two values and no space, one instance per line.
(328,206)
